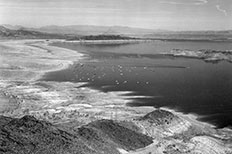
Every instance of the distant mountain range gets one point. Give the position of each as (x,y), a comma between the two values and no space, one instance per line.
(24,33)
(76,31)
(86,30)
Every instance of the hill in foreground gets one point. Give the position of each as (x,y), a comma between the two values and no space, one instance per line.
(174,134)
(158,132)
(29,135)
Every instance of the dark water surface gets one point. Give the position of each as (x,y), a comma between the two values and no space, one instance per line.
(183,84)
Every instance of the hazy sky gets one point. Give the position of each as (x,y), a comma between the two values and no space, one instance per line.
(153,14)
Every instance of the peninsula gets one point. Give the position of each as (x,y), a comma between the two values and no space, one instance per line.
(207,55)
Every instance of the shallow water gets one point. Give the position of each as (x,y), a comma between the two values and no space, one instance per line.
(183,84)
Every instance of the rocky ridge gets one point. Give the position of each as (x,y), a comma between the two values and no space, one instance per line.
(174,134)
(29,135)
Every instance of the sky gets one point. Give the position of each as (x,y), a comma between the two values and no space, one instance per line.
(151,14)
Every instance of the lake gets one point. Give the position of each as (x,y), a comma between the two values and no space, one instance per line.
(183,84)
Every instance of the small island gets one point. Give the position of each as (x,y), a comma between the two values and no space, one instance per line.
(106,37)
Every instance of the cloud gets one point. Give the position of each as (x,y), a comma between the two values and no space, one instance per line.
(179,2)
(221,10)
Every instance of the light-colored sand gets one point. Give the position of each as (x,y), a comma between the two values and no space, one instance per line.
(21,62)
(25,61)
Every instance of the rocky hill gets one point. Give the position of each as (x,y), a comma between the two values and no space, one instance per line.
(168,133)
(28,135)
(174,134)
(113,132)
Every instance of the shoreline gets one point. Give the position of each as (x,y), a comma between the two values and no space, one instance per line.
(63,64)
(29,83)
(191,116)
(72,105)
(210,56)
(37,57)
(15,69)
(108,41)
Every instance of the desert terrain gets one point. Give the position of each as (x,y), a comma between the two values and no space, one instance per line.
(86,117)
